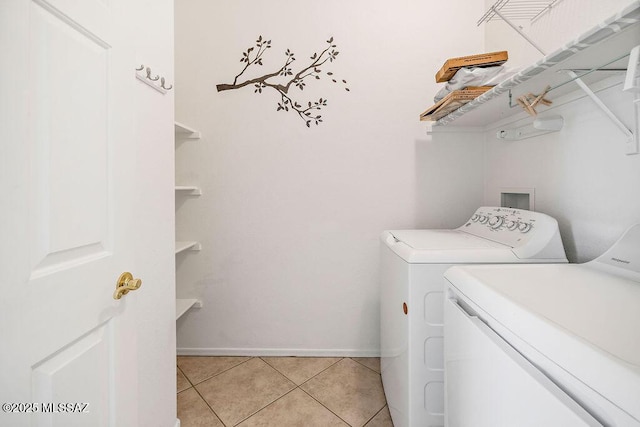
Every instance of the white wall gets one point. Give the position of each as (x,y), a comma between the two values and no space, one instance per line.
(290,217)
(581,175)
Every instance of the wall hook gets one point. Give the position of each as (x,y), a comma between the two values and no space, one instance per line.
(162,81)
(141,67)
(153,79)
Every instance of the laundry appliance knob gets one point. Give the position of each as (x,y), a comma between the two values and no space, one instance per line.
(524,227)
(496,222)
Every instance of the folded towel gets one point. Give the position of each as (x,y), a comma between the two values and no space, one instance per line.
(475,76)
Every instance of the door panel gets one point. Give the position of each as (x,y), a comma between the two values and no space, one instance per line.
(55,380)
(69,71)
(67,221)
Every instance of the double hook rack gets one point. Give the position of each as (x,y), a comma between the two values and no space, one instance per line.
(157,82)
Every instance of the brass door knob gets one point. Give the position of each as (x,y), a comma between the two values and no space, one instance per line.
(126,283)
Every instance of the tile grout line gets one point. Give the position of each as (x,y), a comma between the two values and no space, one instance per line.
(333,364)
(185,377)
(217,373)
(209,406)
(385,398)
(365,366)
(278,372)
(193,386)
(375,415)
(264,407)
(324,406)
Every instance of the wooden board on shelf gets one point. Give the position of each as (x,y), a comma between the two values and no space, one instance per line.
(452,102)
(452,65)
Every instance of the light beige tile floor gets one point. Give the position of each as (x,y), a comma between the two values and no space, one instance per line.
(281,392)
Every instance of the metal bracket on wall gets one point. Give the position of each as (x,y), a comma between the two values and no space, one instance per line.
(631,142)
(600,104)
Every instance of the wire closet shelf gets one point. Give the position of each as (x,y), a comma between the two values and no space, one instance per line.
(518,10)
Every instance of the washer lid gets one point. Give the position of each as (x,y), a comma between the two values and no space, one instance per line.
(442,240)
(445,246)
(583,319)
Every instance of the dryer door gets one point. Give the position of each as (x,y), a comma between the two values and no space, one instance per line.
(488,383)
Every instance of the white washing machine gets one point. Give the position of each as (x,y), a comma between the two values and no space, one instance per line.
(545,345)
(412,266)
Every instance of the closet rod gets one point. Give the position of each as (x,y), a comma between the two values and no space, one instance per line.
(577,77)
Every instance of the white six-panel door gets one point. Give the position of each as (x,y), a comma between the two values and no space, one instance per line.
(68,214)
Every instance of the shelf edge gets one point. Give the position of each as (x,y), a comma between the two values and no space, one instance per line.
(182,246)
(185,131)
(185,304)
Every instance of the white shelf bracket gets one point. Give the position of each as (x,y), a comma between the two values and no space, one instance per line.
(632,84)
(629,134)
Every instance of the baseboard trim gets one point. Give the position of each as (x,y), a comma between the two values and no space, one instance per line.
(185,351)
(177,422)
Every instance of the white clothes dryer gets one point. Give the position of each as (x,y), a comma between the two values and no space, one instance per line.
(545,345)
(412,266)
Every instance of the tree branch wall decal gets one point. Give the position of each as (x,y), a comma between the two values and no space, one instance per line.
(254,55)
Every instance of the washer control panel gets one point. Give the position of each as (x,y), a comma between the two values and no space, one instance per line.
(513,227)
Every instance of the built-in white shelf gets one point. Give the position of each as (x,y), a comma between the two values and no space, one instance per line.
(186,246)
(185,132)
(598,57)
(190,189)
(184,304)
